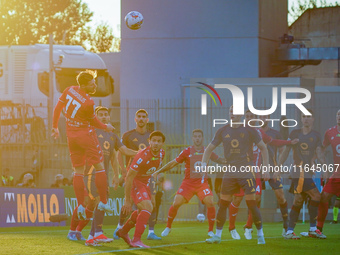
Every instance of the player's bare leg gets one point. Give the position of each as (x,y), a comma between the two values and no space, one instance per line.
(256,214)
(211,213)
(178,202)
(283,208)
(233,210)
(248,228)
(221,217)
(313,213)
(294,215)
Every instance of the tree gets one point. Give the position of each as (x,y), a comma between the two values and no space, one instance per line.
(297,9)
(24,22)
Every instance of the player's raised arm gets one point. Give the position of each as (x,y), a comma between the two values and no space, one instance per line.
(264,152)
(127,152)
(165,168)
(56,115)
(207,153)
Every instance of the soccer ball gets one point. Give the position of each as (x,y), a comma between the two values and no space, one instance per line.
(134,20)
(200,217)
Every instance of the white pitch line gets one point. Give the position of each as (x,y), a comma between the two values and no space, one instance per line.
(65,230)
(165,245)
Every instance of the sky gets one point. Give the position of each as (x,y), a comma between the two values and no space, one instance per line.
(109,11)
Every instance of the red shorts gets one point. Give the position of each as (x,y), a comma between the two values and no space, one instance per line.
(84,148)
(140,192)
(188,189)
(258,188)
(332,186)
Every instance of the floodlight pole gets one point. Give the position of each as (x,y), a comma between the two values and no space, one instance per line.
(51,88)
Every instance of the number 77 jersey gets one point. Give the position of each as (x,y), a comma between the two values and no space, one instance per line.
(79,108)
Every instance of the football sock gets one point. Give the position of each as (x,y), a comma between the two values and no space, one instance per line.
(255,211)
(74,220)
(152,220)
(219,232)
(82,223)
(101,185)
(222,214)
(171,216)
(99,219)
(260,232)
(93,226)
(130,223)
(233,210)
(335,213)
(284,212)
(313,212)
(211,217)
(151,231)
(79,187)
(142,220)
(293,217)
(322,214)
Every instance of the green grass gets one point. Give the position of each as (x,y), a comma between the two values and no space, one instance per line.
(185,238)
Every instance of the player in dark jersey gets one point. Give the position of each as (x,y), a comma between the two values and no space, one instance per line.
(304,153)
(332,187)
(194,183)
(272,142)
(137,139)
(137,189)
(82,140)
(110,143)
(238,141)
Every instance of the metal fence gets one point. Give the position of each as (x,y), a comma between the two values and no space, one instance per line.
(25,144)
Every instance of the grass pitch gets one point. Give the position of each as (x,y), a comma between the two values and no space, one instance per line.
(185,238)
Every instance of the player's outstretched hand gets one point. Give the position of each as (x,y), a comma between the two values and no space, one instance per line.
(55,133)
(295,141)
(127,207)
(109,128)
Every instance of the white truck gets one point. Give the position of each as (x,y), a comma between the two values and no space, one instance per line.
(24,82)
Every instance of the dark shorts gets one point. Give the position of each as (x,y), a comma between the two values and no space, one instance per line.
(90,183)
(303,184)
(231,185)
(275,183)
(152,185)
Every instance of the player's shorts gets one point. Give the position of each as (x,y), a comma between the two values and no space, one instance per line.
(90,184)
(140,192)
(189,188)
(152,185)
(333,187)
(231,186)
(84,149)
(275,183)
(303,184)
(258,188)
